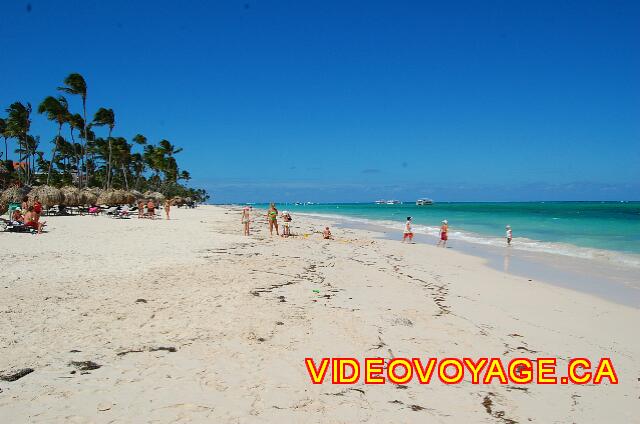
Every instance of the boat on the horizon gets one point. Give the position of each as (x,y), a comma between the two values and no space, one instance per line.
(424,202)
(387,202)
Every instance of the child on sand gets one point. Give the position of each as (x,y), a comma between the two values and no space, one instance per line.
(509,235)
(326,234)
(286,217)
(444,229)
(408,233)
(246,219)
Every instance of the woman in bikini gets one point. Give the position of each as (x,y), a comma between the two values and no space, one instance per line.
(167,207)
(444,230)
(272,217)
(246,219)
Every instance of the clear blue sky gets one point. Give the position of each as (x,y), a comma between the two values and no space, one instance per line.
(353,101)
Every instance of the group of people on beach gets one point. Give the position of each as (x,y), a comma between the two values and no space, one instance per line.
(29,215)
(444,233)
(151,208)
(273,214)
(272,219)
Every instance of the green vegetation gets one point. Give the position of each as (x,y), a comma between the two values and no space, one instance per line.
(83,159)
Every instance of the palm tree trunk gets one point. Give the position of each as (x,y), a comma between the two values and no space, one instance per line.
(124,174)
(53,154)
(109,164)
(6,151)
(84,147)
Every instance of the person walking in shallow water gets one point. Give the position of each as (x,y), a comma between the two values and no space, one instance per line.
(444,233)
(272,217)
(408,232)
(509,235)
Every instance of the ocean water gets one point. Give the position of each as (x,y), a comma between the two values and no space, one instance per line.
(593,230)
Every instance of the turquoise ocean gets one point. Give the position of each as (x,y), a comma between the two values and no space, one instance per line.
(591,230)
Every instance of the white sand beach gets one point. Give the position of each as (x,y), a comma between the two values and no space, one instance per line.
(189,321)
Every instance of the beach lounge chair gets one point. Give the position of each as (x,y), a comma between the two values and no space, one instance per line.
(15,227)
(12,207)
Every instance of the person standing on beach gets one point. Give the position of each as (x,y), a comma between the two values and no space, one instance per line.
(286,217)
(408,233)
(272,217)
(151,209)
(140,208)
(167,207)
(509,235)
(444,230)
(246,220)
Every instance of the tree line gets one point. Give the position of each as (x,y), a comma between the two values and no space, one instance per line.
(79,157)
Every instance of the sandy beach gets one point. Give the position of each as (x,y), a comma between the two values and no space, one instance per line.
(188,321)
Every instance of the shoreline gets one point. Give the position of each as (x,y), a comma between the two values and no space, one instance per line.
(607,281)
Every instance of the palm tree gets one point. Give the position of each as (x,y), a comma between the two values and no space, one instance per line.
(76,85)
(169,163)
(57,110)
(3,129)
(122,155)
(75,121)
(17,126)
(106,117)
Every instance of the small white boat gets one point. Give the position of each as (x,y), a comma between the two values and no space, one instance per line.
(380,202)
(424,202)
(394,202)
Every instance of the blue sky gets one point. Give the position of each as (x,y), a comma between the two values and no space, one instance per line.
(354,101)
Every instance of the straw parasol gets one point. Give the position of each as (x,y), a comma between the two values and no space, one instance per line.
(178,201)
(137,194)
(72,196)
(89,197)
(158,197)
(107,197)
(129,197)
(47,195)
(14,194)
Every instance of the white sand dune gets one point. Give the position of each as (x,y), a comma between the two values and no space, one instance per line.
(242,314)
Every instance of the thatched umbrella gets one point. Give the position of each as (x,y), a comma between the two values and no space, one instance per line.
(89,197)
(126,197)
(137,194)
(158,197)
(108,197)
(14,194)
(177,201)
(47,195)
(72,196)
